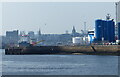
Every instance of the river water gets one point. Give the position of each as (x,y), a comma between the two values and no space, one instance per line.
(59,65)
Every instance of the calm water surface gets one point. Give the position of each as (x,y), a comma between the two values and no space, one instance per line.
(59,65)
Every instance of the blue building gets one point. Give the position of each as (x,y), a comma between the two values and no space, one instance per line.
(98,29)
(105,30)
(119,31)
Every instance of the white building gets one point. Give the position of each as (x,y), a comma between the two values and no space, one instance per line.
(118,12)
(117,19)
(80,40)
(77,40)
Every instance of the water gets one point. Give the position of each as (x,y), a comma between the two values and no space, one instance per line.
(59,65)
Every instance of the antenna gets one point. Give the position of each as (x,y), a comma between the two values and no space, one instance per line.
(84,27)
(39,32)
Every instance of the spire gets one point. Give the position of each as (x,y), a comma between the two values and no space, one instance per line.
(73,30)
(39,32)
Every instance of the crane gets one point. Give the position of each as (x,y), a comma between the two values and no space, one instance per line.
(37,42)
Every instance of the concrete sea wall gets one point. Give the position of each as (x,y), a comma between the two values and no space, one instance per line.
(95,49)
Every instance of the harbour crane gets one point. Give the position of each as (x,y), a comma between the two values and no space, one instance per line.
(37,42)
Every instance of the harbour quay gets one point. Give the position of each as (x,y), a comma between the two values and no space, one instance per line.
(72,50)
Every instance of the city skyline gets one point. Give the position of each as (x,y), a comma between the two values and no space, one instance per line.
(54,17)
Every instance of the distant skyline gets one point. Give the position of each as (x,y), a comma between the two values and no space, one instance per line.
(53,17)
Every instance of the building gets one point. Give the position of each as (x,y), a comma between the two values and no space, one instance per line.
(23,37)
(31,34)
(91,36)
(77,40)
(74,33)
(31,37)
(12,37)
(119,31)
(57,39)
(118,12)
(118,19)
(105,30)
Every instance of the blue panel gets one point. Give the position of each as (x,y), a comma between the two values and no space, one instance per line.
(111,31)
(105,30)
(119,31)
(98,29)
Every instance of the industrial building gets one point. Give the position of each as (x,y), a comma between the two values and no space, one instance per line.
(105,30)
(119,30)
(117,20)
(118,12)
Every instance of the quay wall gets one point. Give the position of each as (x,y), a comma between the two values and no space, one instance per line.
(107,48)
(64,49)
(76,48)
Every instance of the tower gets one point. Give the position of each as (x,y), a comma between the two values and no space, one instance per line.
(118,12)
(117,20)
(39,35)
(39,32)
(73,30)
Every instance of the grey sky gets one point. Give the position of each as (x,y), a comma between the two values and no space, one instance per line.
(53,17)
(0,18)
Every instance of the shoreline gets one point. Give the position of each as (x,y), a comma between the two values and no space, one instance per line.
(67,50)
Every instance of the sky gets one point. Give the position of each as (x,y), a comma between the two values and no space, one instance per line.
(53,17)
(0,18)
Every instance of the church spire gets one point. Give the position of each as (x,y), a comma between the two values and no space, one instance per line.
(39,32)
(73,30)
